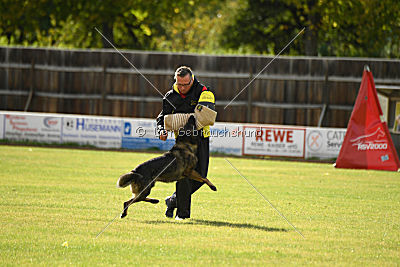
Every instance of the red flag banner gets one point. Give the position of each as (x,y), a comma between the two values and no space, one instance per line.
(367,143)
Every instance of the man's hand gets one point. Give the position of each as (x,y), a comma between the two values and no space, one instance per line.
(163,135)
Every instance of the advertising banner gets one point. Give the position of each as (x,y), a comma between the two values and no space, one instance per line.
(97,131)
(324,143)
(41,128)
(142,134)
(226,138)
(139,134)
(273,141)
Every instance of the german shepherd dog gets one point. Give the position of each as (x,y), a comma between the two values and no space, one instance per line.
(176,164)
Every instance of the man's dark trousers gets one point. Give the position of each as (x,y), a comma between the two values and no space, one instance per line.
(186,187)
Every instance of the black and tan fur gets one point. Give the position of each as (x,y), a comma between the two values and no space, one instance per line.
(143,177)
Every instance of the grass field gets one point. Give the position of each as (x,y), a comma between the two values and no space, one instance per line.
(50,197)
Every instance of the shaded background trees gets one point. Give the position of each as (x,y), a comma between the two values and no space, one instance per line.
(367,28)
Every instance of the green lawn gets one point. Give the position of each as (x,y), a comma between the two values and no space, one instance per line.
(50,196)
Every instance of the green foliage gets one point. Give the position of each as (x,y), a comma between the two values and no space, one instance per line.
(53,203)
(131,24)
(196,26)
(367,28)
(361,28)
(333,27)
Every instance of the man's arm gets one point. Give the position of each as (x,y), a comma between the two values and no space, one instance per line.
(207,98)
(166,109)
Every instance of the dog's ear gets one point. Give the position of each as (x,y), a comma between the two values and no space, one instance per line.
(192,120)
(190,125)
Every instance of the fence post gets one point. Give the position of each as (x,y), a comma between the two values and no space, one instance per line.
(325,97)
(103,91)
(32,87)
(249,100)
(142,94)
(290,93)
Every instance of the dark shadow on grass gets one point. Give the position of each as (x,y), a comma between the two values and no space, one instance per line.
(219,224)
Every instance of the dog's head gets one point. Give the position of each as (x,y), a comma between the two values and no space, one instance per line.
(189,132)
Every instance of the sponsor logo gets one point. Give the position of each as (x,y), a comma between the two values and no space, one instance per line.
(19,123)
(274,135)
(335,139)
(384,158)
(314,140)
(69,124)
(373,141)
(50,122)
(97,126)
(207,96)
(127,128)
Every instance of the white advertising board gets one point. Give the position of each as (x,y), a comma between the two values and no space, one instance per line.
(273,141)
(97,131)
(25,126)
(324,143)
(226,138)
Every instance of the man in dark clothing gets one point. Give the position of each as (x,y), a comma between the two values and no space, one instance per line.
(185,94)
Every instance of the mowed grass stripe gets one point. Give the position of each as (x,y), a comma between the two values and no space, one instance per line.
(49,196)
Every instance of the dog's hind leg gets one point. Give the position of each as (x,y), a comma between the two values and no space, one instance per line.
(151,200)
(194,175)
(126,206)
(134,200)
(137,197)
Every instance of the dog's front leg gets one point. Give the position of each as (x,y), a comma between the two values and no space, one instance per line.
(194,175)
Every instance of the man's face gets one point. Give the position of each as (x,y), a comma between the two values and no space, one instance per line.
(184,83)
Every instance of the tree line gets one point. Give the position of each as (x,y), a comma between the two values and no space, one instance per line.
(350,28)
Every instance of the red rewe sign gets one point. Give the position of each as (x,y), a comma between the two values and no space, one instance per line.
(367,144)
(275,135)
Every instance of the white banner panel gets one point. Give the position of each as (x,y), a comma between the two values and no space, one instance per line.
(42,128)
(1,126)
(273,141)
(97,131)
(226,138)
(324,143)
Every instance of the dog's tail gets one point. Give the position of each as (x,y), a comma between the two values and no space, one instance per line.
(126,179)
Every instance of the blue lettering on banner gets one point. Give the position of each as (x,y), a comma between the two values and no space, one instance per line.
(92,127)
(78,123)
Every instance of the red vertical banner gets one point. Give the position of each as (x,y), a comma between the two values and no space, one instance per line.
(367,143)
